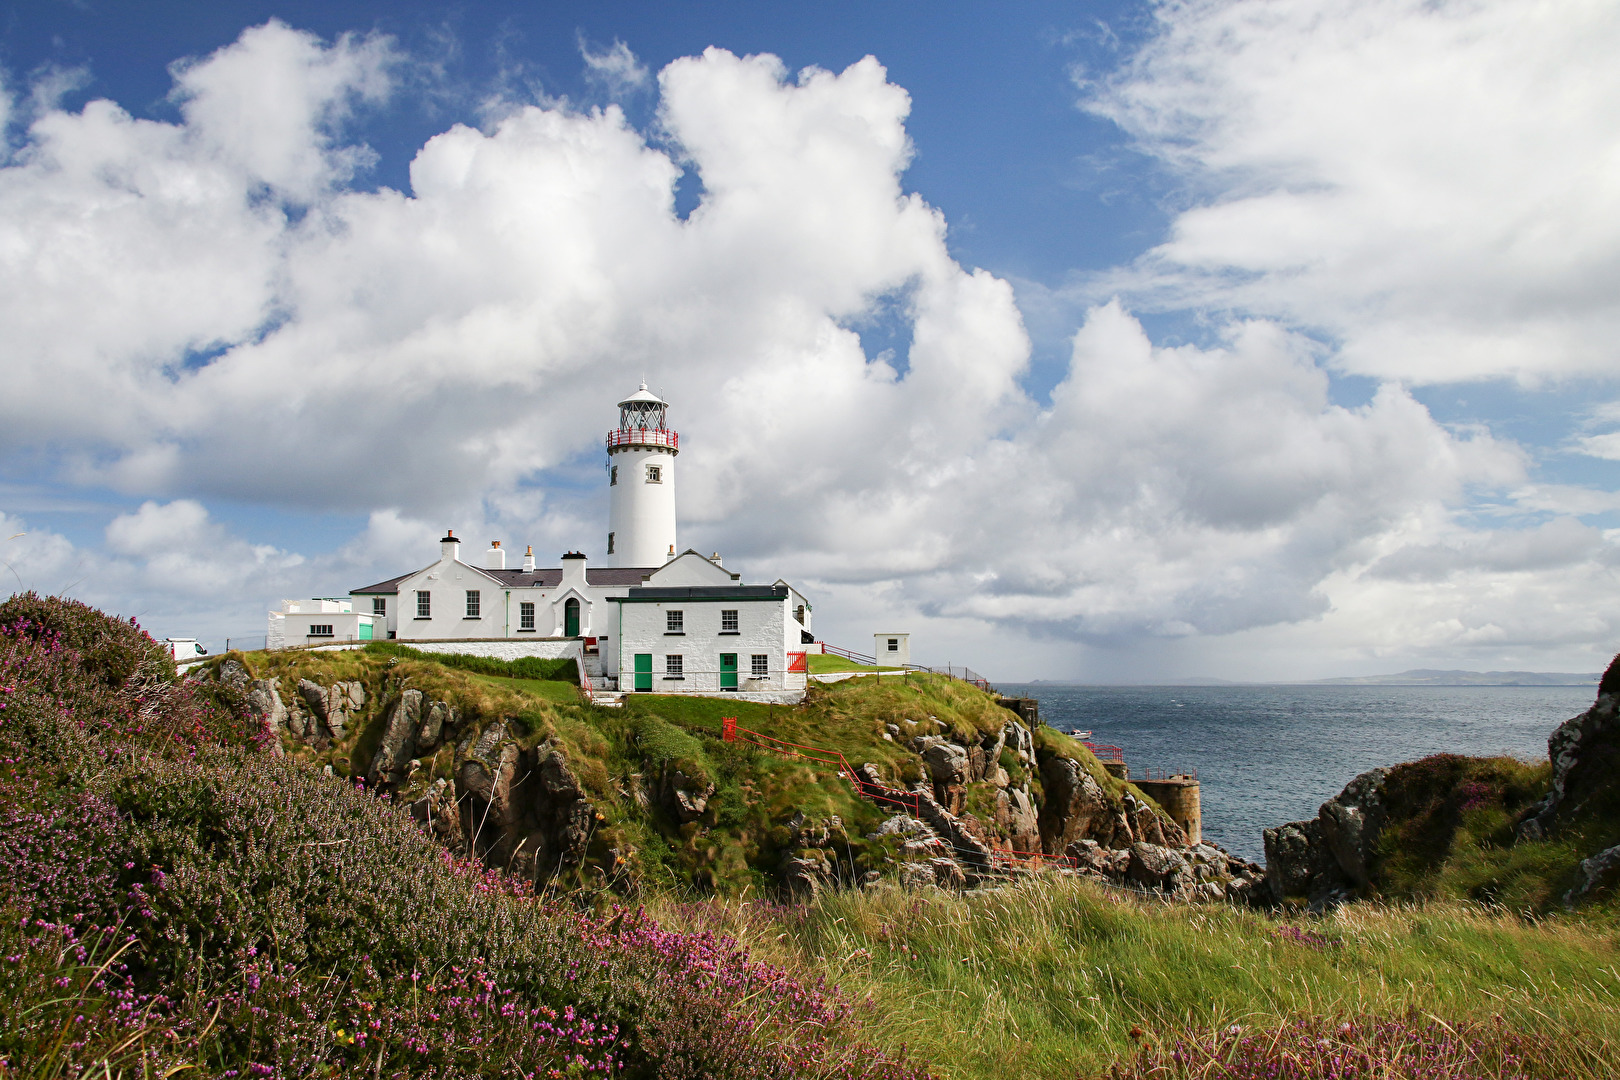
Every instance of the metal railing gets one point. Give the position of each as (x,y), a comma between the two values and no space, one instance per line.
(1112,754)
(1166,774)
(859,658)
(246,643)
(643,437)
(911,802)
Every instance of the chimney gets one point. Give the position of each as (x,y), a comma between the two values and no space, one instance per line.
(528,560)
(450,547)
(495,557)
(671,552)
(573,572)
(715,558)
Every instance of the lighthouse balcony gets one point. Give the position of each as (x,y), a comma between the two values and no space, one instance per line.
(643,437)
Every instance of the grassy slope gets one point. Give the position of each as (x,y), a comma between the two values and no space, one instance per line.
(619,753)
(1451,836)
(828,664)
(1050,977)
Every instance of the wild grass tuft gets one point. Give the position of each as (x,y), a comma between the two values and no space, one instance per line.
(1049,978)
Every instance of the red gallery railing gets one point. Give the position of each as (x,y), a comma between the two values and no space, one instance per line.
(643,437)
(908,801)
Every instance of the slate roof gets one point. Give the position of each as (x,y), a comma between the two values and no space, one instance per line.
(600,576)
(703,592)
(389,586)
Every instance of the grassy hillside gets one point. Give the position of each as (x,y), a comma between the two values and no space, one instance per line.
(620,754)
(1051,978)
(173,896)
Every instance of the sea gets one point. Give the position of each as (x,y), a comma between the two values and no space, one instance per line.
(1270,754)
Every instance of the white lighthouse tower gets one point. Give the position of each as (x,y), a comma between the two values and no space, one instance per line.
(641,483)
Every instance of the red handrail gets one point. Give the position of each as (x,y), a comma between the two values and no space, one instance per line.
(730,732)
(1105,753)
(643,437)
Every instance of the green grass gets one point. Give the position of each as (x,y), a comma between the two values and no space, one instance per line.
(828,664)
(1048,978)
(555,691)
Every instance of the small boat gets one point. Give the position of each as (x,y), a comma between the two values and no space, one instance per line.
(1078,734)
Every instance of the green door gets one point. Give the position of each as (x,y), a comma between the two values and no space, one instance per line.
(728,671)
(365,631)
(571,621)
(643,671)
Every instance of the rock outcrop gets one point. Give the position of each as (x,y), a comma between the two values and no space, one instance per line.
(1328,859)
(522,810)
(1585,756)
(811,862)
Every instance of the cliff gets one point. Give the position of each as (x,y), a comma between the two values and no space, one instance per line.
(1495,830)
(949,788)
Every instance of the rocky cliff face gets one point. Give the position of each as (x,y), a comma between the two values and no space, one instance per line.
(1117,839)
(1585,756)
(517,807)
(1333,857)
(1325,860)
(977,808)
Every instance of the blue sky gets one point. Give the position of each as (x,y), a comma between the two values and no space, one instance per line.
(1261,341)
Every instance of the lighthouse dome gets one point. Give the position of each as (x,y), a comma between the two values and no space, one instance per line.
(643,395)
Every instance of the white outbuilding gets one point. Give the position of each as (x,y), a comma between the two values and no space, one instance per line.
(693,628)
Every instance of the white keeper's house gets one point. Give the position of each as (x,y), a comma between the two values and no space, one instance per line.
(650,620)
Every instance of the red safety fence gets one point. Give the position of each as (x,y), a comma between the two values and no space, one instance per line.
(1105,753)
(797,662)
(1167,774)
(877,793)
(643,437)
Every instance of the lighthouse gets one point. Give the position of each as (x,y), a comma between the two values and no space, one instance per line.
(641,482)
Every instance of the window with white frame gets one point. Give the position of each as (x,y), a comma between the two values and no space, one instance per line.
(379,605)
(674,622)
(424,604)
(320,630)
(761,667)
(526,615)
(674,666)
(655,474)
(472,603)
(894,644)
(728,620)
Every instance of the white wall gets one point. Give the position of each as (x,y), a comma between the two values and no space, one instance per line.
(287,629)
(448,582)
(641,516)
(690,568)
(362,604)
(762,629)
(898,657)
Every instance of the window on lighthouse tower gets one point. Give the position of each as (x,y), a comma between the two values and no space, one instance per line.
(613,476)
(655,475)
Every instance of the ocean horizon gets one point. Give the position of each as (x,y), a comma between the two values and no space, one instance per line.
(1271,753)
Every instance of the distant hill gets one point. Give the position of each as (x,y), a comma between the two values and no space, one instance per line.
(1432,677)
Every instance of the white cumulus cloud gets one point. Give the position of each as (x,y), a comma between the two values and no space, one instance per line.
(212,308)
(1433,185)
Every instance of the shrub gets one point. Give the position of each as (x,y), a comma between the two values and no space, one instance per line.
(1445,801)
(110,651)
(169,897)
